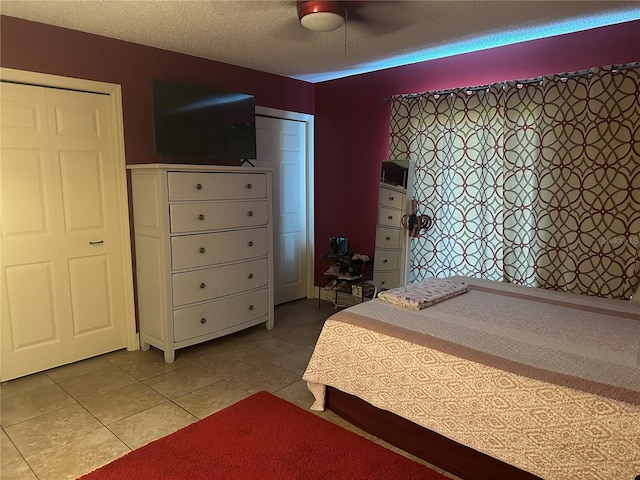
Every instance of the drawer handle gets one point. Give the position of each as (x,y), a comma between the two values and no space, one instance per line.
(250,243)
(201,217)
(387,238)
(391,198)
(199,186)
(249,186)
(203,320)
(383,282)
(250,307)
(203,285)
(385,260)
(250,213)
(251,275)
(202,250)
(390,217)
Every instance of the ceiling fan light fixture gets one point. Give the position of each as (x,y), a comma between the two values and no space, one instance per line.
(321,16)
(322,21)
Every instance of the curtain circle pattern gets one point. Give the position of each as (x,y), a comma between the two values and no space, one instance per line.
(534,183)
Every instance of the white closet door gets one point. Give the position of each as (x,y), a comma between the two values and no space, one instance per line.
(63,294)
(281,145)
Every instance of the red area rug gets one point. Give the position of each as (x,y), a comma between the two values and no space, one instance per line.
(263,437)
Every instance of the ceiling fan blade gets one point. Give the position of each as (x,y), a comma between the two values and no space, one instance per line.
(291,30)
(380,17)
(282,18)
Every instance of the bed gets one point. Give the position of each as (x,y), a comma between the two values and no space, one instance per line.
(499,382)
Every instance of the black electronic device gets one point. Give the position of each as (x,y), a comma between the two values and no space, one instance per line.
(201,121)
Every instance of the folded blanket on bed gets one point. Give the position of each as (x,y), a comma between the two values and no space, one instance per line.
(424,293)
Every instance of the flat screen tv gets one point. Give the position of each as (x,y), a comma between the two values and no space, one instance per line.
(201,121)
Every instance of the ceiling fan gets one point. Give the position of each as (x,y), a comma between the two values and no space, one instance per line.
(328,15)
(321,16)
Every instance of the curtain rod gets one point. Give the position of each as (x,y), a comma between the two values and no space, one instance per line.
(624,66)
(485,87)
(563,76)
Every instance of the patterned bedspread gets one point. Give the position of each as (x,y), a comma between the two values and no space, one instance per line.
(546,384)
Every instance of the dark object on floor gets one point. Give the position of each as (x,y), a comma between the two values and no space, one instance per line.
(339,247)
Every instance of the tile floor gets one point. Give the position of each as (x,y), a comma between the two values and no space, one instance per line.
(67,421)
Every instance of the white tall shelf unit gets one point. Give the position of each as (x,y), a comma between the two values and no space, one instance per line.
(389,268)
(204,252)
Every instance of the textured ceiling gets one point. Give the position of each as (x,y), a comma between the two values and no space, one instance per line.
(266,35)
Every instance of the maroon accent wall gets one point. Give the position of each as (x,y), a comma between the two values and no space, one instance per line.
(352,119)
(37,47)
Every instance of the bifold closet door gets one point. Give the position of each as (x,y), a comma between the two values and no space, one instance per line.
(62,284)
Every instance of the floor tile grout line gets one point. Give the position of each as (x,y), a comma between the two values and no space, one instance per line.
(264,358)
(78,403)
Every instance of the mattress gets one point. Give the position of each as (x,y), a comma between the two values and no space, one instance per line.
(545,381)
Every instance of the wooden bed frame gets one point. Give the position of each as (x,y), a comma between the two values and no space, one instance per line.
(436,449)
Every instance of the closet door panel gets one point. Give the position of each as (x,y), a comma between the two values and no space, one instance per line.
(82,190)
(32,323)
(62,230)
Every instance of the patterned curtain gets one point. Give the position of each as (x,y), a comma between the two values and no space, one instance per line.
(534,183)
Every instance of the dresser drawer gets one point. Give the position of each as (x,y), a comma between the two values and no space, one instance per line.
(387,279)
(388,237)
(387,259)
(389,217)
(215,186)
(195,217)
(210,283)
(214,316)
(203,249)
(391,198)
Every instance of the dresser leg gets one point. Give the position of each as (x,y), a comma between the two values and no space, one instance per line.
(169,356)
(144,346)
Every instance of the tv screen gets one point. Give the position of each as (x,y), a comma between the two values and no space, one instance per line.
(193,120)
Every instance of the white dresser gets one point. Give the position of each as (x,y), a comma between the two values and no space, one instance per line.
(389,259)
(204,253)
